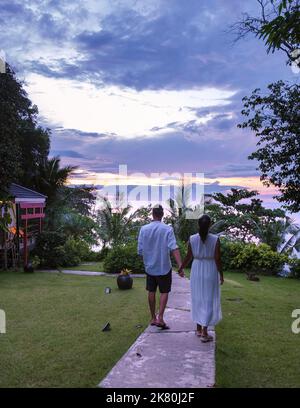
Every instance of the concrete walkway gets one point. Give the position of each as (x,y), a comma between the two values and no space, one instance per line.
(173,358)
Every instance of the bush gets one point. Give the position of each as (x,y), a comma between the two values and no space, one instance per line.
(96,256)
(54,249)
(295,268)
(230,250)
(75,251)
(35,261)
(49,248)
(124,256)
(251,258)
(102,254)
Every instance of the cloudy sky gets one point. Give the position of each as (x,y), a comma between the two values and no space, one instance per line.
(154,84)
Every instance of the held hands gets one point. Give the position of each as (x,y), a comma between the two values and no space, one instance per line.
(181,272)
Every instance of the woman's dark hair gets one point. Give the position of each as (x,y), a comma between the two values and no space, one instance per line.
(204,224)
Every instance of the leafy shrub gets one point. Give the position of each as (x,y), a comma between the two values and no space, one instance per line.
(35,261)
(75,251)
(251,258)
(97,256)
(55,249)
(49,248)
(124,256)
(230,250)
(102,254)
(295,268)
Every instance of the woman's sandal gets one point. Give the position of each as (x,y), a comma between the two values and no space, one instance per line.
(163,326)
(206,338)
(153,322)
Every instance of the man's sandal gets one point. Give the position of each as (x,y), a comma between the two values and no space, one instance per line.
(163,326)
(207,338)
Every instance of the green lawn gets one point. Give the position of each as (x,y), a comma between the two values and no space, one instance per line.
(255,344)
(91,267)
(54,328)
(54,336)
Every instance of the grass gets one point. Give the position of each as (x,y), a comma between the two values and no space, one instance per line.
(54,336)
(54,328)
(89,266)
(255,344)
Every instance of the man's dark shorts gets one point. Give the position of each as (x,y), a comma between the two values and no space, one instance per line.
(164,283)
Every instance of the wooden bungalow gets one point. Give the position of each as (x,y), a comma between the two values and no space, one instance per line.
(27,213)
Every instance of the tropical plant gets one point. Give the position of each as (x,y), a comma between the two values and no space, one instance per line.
(282,234)
(125,272)
(115,225)
(50,177)
(251,222)
(81,199)
(278,25)
(55,249)
(72,223)
(49,248)
(122,257)
(180,209)
(294,268)
(249,258)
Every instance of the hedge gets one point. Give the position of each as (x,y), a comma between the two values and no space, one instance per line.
(124,256)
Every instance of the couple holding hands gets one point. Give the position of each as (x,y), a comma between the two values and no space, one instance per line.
(156,242)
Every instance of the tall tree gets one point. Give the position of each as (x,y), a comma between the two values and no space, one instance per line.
(23,144)
(50,177)
(34,142)
(275,116)
(278,25)
(13,105)
(275,119)
(79,198)
(244,217)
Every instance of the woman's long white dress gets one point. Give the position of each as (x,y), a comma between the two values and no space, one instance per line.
(205,282)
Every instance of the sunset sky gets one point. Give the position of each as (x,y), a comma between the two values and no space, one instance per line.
(153,84)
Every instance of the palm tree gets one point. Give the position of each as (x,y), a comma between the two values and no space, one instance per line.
(116,225)
(282,235)
(179,209)
(50,177)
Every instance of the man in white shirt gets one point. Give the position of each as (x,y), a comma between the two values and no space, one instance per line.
(155,243)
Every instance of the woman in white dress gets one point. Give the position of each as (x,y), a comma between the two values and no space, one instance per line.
(206,277)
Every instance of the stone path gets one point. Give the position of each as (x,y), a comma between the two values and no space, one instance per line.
(173,358)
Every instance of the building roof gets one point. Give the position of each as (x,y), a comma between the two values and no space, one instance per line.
(18,191)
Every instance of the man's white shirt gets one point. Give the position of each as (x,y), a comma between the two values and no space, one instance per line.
(155,242)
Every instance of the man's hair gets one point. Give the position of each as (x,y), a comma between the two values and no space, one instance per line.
(158,211)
